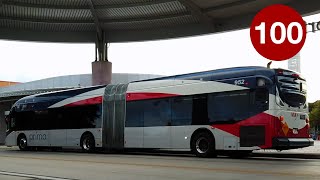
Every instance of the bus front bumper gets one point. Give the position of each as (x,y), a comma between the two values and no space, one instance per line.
(291,143)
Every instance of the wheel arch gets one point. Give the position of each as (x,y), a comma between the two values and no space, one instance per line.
(86,133)
(87,148)
(20,136)
(201,130)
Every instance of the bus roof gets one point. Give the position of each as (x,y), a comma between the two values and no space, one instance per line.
(44,100)
(225,73)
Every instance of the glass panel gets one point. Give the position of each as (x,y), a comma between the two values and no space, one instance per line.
(134,116)
(292,90)
(182,111)
(200,110)
(157,112)
(229,107)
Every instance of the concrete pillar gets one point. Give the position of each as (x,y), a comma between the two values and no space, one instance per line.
(101,72)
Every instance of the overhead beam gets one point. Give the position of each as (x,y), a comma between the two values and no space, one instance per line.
(146,18)
(123,20)
(96,19)
(53,21)
(228,5)
(197,11)
(55,6)
(47,6)
(135,4)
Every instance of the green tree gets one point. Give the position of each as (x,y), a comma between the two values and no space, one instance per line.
(314,115)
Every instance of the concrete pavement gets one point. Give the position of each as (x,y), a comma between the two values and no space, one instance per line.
(82,166)
(312,152)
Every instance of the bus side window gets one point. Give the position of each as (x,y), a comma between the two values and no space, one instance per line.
(262,98)
(11,118)
(12,122)
(157,112)
(181,111)
(134,114)
(200,110)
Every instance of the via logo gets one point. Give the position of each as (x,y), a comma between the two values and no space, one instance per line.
(37,137)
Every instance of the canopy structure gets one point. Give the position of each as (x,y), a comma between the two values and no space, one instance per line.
(129,20)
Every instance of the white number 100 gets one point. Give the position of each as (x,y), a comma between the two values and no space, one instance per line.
(283,35)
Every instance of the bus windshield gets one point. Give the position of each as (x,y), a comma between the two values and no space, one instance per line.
(292,88)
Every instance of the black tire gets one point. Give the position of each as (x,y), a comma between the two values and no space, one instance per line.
(22,143)
(87,143)
(203,145)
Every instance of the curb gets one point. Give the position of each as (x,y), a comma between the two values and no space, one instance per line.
(287,155)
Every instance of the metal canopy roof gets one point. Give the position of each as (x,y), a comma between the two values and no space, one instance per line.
(129,20)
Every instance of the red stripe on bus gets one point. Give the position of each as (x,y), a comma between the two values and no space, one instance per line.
(147,95)
(262,119)
(90,101)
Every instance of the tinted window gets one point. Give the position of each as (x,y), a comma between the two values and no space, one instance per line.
(79,117)
(157,112)
(261,99)
(200,110)
(182,111)
(58,118)
(41,120)
(134,114)
(23,120)
(228,106)
(292,89)
(294,99)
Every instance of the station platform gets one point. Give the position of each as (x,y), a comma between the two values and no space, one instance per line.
(312,152)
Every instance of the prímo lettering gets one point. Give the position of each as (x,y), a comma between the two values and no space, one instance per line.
(37,136)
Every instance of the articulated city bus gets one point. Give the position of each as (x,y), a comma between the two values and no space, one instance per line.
(235,110)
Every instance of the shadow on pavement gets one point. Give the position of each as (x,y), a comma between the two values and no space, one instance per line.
(168,153)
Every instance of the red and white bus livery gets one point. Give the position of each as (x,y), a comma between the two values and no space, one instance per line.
(234,110)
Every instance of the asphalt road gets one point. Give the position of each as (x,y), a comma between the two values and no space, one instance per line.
(17,165)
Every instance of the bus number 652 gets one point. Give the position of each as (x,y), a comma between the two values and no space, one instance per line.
(239,82)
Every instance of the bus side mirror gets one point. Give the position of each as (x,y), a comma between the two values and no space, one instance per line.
(6,113)
(7,116)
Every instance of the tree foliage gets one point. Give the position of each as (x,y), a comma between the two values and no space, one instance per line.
(314,115)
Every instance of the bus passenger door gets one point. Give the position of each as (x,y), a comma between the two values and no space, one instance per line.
(185,113)
(58,132)
(133,133)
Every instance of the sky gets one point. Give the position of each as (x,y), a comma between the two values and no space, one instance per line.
(29,61)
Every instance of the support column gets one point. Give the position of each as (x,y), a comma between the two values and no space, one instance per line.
(101,72)
(101,67)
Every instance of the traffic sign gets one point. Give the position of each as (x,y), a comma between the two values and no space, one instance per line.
(278,32)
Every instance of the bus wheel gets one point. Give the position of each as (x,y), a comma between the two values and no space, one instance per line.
(22,143)
(203,145)
(87,143)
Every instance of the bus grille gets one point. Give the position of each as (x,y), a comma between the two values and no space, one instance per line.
(252,136)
